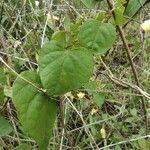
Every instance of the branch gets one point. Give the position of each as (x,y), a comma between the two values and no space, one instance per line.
(122,35)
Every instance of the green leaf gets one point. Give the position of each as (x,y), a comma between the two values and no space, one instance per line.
(2,77)
(90,86)
(99,99)
(75,27)
(144,144)
(119,10)
(5,90)
(62,70)
(90,3)
(23,147)
(60,37)
(5,127)
(119,18)
(36,111)
(67,23)
(8,91)
(1,95)
(101,16)
(133,7)
(98,37)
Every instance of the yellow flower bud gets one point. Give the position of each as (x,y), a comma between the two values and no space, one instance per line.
(52,17)
(146,25)
(80,95)
(93,111)
(69,94)
(103,133)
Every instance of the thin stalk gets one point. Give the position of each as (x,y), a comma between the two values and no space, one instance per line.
(125,43)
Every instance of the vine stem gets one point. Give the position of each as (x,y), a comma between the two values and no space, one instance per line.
(125,43)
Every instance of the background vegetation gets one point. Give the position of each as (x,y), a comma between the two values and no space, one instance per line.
(107,113)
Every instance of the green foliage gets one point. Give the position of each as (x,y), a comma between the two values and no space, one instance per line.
(2,77)
(133,6)
(36,111)
(8,91)
(97,36)
(2,96)
(67,23)
(2,83)
(144,144)
(89,3)
(99,99)
(5,127)
(23,147)
(118,11)
(62,70)
(21,1)
(66,63)
(60,37)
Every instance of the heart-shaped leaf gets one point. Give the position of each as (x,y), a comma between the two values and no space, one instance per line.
(62,70)
(36,111)
(97,36)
